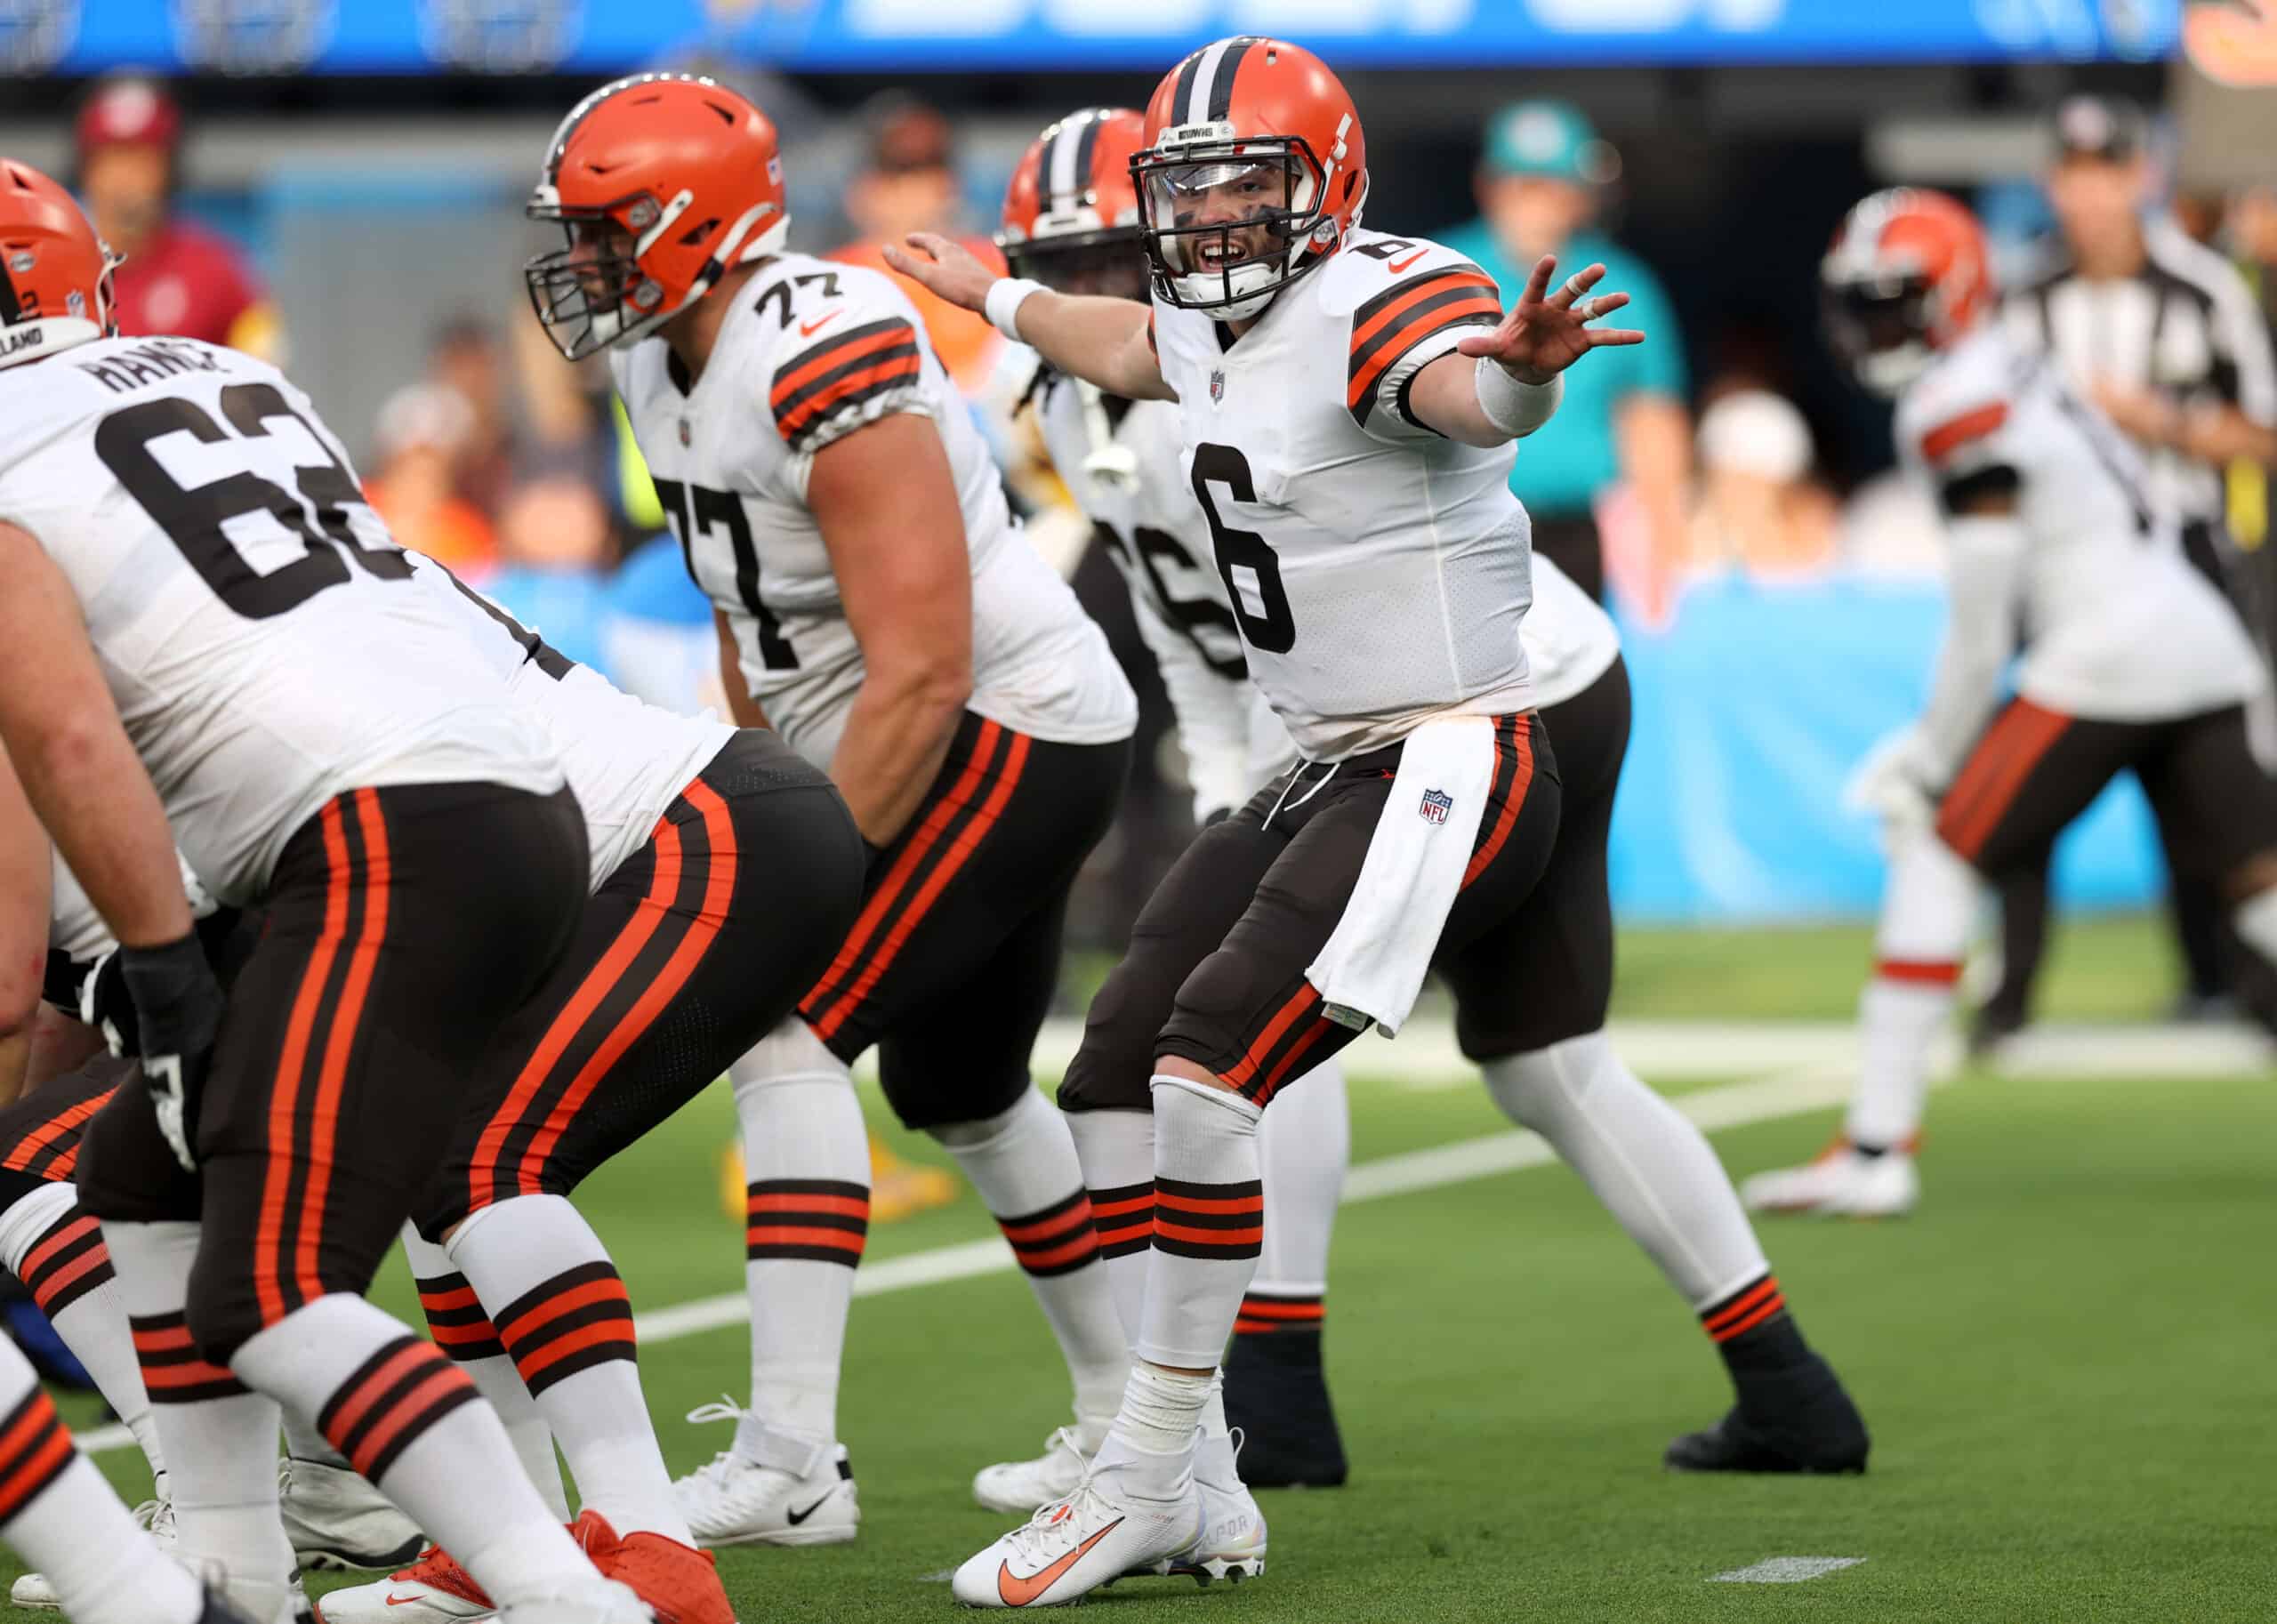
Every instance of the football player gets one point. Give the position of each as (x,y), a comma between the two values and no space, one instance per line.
(1347,403)
(202,624)
(877,603)
(2135,660)
(1071,221)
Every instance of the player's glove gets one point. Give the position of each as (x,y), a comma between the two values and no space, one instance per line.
(1897,784)
(175,1005)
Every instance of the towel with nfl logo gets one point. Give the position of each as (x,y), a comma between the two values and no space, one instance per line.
(1375,960)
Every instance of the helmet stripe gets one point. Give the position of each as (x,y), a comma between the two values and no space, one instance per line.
(1221,83)
(1087,142)
(1065,176)
(1203,92)
(10,305)
(1182,99)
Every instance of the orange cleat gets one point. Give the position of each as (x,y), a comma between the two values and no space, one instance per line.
(679,1581)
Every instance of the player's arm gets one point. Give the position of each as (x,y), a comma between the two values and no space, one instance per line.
(1104,342)
(24,872)
(1986,544)
(79,770)
(743,709)
(885,500)
(1543,333)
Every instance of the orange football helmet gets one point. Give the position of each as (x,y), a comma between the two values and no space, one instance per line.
(55,273)
(660,182)
(1254,171)
(1909,275)
(1071,214)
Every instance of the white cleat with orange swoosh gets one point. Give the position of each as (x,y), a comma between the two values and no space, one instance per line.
(1072,1548)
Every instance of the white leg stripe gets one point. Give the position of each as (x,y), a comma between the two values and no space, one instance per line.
(1064,181)
(1205,83)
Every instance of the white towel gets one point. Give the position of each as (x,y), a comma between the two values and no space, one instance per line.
(1374,961)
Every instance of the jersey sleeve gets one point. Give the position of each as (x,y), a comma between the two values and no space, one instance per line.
(1954,427)
(1397,333)
(851,374)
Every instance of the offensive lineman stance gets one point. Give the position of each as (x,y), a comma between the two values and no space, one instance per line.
(1071,221)
(877,603)
(2135,661)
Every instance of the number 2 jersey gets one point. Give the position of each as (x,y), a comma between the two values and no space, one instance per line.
(1378,570)
(2115,622)
(259,629)
(809,352)
(1120,461)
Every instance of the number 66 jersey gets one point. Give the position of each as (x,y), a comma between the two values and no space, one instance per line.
(1378,570)
(260,631)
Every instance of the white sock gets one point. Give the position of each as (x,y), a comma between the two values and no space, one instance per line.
(1304,1146)
(463,1330)
(1927,903)
(1642,1157)
(565,1321)
(1024,1164)
(58,1252)
(2255,920)
(1117,1151)
(806,1220)
(220,1440)
(58,1514)
(1209,1222)
(1158,1429)
(412,1423)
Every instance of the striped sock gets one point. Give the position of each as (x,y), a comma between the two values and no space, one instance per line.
(1266,1313)
(1209,1222)
(57,1251)
(565,1319)
(413,1424)
(464,1331)
(58,1514)
(1023,1162)
(1117,1151)
(1753,1329)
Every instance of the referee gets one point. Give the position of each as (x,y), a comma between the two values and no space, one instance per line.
(2168,339)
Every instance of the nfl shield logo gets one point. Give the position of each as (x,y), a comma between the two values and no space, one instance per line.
(683,432)
(1217,387)
(1437,805)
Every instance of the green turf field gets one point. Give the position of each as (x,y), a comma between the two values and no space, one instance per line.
(2065,1359)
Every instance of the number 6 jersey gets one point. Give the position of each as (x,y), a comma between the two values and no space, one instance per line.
(1377,571)
(809,352)
(257,627)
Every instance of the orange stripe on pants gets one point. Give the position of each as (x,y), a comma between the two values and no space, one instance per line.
(1514,800)
(2015,745)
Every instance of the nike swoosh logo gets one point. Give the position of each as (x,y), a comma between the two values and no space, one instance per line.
(1019,1592)
(808,329)
(797,1517)
(1399,265)
(403,1601)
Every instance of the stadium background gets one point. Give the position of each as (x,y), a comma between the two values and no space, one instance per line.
(2056,1362)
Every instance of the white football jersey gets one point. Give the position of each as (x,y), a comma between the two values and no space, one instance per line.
(811,351)
(76,931)
(1120,459)
(2116,624)
(1378,570)
(259,628)
(627,761)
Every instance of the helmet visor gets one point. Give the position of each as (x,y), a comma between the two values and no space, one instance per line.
(588,291)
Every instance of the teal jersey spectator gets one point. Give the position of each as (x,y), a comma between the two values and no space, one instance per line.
(1561,468)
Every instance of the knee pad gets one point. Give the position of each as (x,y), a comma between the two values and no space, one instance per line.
(791,1053)
(977,1132)
(1110,1070)
(1221,992)
(1928,902)
(223,1307)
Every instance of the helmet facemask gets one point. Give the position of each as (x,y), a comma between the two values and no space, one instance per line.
(1230,222)
(1880,326)
(592,293)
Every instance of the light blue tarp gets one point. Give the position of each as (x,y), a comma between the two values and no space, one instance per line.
(1751,713)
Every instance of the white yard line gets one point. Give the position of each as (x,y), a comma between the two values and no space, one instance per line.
(1786,1570)
(1807,1065)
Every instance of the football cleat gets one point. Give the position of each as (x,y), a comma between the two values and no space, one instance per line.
(1231,1545)
(433,1590)
(679,1583)
(794,1492)
(1276,1396)
(1068,1550)
(1017,1487)
(1841,1183)
(605,1603)
(336,1521)
(1798,1419)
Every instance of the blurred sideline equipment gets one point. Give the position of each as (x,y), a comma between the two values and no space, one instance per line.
(2137,660)
(877,605)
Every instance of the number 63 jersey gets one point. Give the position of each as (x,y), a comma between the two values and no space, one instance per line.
(1377,571)
(809,352)
(258,629)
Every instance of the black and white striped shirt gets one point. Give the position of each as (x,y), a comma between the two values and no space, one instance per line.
(2185,324)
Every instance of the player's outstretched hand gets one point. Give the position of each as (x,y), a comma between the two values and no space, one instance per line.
(1546,333)
(949,268)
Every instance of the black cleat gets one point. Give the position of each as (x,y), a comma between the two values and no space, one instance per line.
(1277,1395)
(1794,1419)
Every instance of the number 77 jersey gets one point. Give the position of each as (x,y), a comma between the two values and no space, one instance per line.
(809,352)
(258,627)
(1379,571)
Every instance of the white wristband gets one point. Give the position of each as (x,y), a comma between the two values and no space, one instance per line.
(1002,305)
(1517,409)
